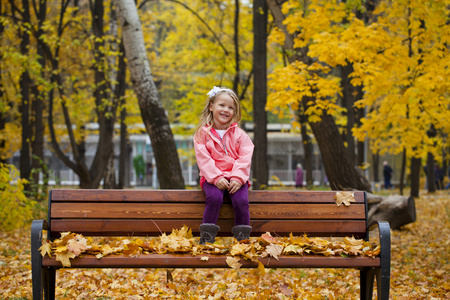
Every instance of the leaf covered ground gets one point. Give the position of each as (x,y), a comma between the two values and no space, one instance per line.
(420,270)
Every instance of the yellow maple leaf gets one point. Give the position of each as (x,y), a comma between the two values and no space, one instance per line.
(353,242)
(46,249)
(261,269)
(139,242)
(344,198)
(61,249)
(274,250)
(233,262)
(239,249)
(64,258)
(131,249)
(326,252)
(293,249)
(106,249)
(204,258)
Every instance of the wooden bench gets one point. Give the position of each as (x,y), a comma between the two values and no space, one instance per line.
(146,212)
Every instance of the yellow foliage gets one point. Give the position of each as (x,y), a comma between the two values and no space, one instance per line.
(16,209)
(11,142)
(401,60)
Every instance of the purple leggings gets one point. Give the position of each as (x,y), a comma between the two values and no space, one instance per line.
(214,201)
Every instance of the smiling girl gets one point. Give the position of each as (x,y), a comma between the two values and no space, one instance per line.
(224,154)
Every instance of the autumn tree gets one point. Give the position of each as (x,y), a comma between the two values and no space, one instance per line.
(399,60)
(192,54)
(21,58)
(306,83)
(152,112)
(67,81)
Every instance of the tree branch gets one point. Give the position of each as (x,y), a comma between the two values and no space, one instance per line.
(200,18)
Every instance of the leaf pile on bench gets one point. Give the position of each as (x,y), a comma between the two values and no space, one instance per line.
(72,245)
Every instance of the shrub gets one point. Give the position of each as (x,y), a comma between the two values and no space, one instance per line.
(16,209)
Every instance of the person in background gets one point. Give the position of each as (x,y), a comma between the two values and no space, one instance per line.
(299,176)
(224,155)
(439,177)
(387,174)
(448,184)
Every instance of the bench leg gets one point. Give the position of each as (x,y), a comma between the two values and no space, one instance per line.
(383,285)
(38,279)
(367,278)
(49,283)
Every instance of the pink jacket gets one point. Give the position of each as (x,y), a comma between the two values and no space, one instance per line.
(230,157)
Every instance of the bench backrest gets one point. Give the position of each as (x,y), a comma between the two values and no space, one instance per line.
(150,212)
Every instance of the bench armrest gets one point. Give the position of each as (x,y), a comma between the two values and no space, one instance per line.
(385,245)
(37,228)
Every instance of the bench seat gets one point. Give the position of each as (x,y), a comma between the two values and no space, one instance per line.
(145,213)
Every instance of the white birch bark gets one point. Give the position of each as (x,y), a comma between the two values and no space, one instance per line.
(153,114)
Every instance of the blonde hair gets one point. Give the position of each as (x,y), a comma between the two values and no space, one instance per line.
(206,117)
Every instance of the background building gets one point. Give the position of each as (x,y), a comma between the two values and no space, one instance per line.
(284,152)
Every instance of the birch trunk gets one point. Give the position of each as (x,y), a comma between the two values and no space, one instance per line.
(152,112)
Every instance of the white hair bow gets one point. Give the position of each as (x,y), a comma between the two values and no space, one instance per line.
(214,91)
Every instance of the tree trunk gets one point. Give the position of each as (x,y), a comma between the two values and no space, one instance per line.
(416,169)
(25,151)
(339,167)
(348,101)
(307,148)
(236,48)
(89,177)
(361,145)
(152,111)
(106,113)
(260,168)
(124,158)
(402,172)
(37,108)
(109,179)
(125,151)
(376,170)
(397,210)
(2,115)
(431,178)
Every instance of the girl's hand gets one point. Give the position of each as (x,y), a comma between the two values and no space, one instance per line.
(234,186)
(223,184)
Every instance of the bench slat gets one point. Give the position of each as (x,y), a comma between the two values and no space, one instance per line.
(80,195)
(215,261)
(195,211)
(139,227)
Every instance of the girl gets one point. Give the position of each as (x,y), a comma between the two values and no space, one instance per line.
(224,154)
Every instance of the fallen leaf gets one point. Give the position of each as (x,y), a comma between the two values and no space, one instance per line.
(77,244)
(345,198)
(269,238)
(233,262)
(64,258)
(274,250)
(46,249)
(261,269)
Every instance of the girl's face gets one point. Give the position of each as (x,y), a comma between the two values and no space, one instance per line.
(223,110)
